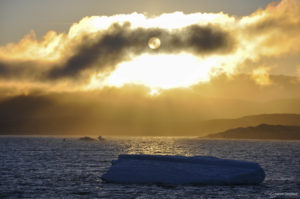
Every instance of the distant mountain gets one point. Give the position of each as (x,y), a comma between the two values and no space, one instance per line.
(263,131)
(220,125)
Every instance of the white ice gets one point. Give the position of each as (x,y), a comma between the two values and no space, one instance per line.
(182,170)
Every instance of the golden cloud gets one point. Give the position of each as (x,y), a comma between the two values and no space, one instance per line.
(261,76)
(101,51)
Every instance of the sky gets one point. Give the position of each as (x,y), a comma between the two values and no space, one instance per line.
(146,64)
(17,18)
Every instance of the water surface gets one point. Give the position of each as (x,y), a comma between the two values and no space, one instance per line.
(41,167)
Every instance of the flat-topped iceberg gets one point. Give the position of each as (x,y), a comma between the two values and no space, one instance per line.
(182,170)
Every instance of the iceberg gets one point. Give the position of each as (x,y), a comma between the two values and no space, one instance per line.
(182,170)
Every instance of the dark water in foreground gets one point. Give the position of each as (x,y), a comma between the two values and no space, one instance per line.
(34,167)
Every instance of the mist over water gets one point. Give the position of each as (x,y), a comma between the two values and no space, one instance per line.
(41,167)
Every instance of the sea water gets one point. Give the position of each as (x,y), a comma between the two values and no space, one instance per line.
(48,167)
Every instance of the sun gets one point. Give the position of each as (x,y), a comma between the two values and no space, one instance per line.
(154,43)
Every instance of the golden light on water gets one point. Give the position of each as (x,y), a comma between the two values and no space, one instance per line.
(154,43)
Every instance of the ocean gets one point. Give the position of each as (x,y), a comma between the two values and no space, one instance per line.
(49,167)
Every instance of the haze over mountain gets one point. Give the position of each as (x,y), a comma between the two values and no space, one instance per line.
(115,112)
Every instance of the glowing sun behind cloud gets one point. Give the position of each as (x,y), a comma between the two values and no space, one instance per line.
(158,72)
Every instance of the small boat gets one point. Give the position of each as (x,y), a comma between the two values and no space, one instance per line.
(86,138)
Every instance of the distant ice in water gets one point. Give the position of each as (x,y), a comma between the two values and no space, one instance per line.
(182,170)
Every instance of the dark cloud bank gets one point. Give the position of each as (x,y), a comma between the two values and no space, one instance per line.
(105,49)
(117,43)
